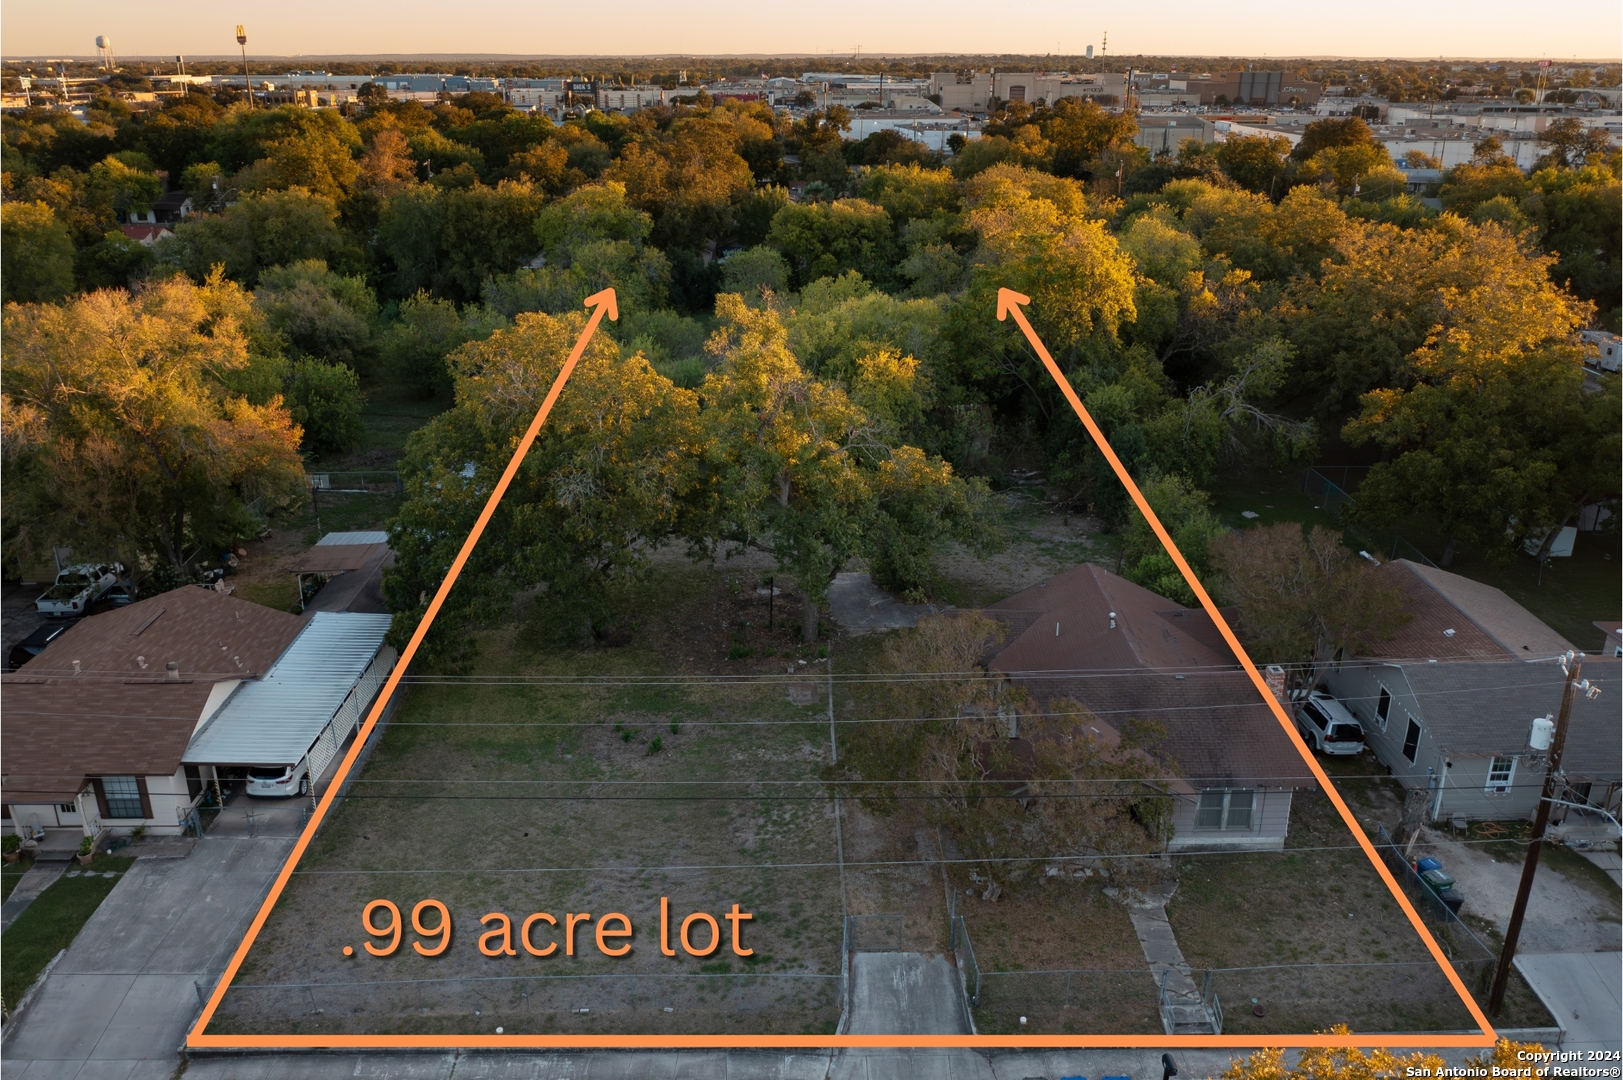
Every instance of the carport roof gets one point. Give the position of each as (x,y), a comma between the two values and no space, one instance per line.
(275,720)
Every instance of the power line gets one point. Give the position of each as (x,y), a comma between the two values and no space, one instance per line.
(824,865)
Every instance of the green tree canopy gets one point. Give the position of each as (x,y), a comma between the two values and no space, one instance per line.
(121,435)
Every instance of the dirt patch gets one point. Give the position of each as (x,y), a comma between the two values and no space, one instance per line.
(1042,543)
(1564,914)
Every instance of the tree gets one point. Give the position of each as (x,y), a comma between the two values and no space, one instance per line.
(599,488)
(321,314)
(37,253)
(256,232)
(1321,1063)
(1569,143)
(793,468)
(415,347)
(1035,238)
(1057,789)
(1389,289)
(1185,512)
(826,239)
(122,435)
(325,401)
(1303,598)
(1255,162)
(1496,438)
(1332,133)
(755,272)
(449,240)
(288,147)
(906,192)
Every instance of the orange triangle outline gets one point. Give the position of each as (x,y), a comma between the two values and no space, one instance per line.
(1008,302)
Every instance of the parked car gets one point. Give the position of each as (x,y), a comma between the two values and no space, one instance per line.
(1327,725)
(77,587)
(278,781)
(34,644)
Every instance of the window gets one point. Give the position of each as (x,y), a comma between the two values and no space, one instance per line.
(1411,740)
(123,797)
(1224,810)
(67,808)
(1384,709)
(1239,815)
(1500,770)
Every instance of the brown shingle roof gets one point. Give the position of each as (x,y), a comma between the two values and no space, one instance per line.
(114,717)
(1218,728)
(1514,629)
(1425,636)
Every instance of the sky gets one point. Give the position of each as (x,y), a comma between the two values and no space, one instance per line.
(1588,29)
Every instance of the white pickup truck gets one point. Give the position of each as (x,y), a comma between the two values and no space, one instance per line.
(1327,725)
(77,587)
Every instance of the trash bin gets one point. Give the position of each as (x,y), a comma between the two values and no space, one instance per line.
(1436,880)
(1453,900)
(1428,863)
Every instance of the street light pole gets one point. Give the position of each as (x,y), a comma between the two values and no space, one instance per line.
(1573,663)
(242,40)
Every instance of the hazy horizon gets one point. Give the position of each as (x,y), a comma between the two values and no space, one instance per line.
(295,29)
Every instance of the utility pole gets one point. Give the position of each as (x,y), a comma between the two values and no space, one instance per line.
(242,40)
(1572,664)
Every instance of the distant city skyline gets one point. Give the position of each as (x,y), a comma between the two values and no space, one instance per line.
(1490,29)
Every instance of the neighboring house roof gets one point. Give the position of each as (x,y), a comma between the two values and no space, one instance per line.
(115,717)
(1161,663)
(336,558)
(1489,708)
(274,720)
(146,234)
(1427,636)
(171,201)
(1517,631)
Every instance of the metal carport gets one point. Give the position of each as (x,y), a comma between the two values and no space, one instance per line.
(308,702)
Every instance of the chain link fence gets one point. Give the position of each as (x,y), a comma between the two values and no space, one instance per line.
(629,1003)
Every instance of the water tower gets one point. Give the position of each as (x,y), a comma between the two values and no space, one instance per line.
(104,46)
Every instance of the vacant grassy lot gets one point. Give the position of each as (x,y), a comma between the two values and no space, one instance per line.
(53,920)
(506,792)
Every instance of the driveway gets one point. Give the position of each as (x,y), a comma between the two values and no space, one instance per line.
(1584,991)
(119,1003)
(1562,915)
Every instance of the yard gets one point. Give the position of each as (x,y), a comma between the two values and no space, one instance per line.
(563,780)
(53,920)
(1311,936)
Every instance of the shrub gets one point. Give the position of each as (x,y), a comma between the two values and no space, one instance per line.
(325,400)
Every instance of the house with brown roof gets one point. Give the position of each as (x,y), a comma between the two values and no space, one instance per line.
(1448,702)
(123,721)
(1126,653)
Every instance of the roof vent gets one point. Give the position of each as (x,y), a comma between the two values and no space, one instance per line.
(174,669)
(1448,633)
(141,662)
(237,660)
(76,667)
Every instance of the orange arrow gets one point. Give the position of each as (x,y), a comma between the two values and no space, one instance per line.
(600,303)
(1009,303)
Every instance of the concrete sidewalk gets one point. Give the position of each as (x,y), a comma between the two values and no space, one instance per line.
(37,879)
(119,1003)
